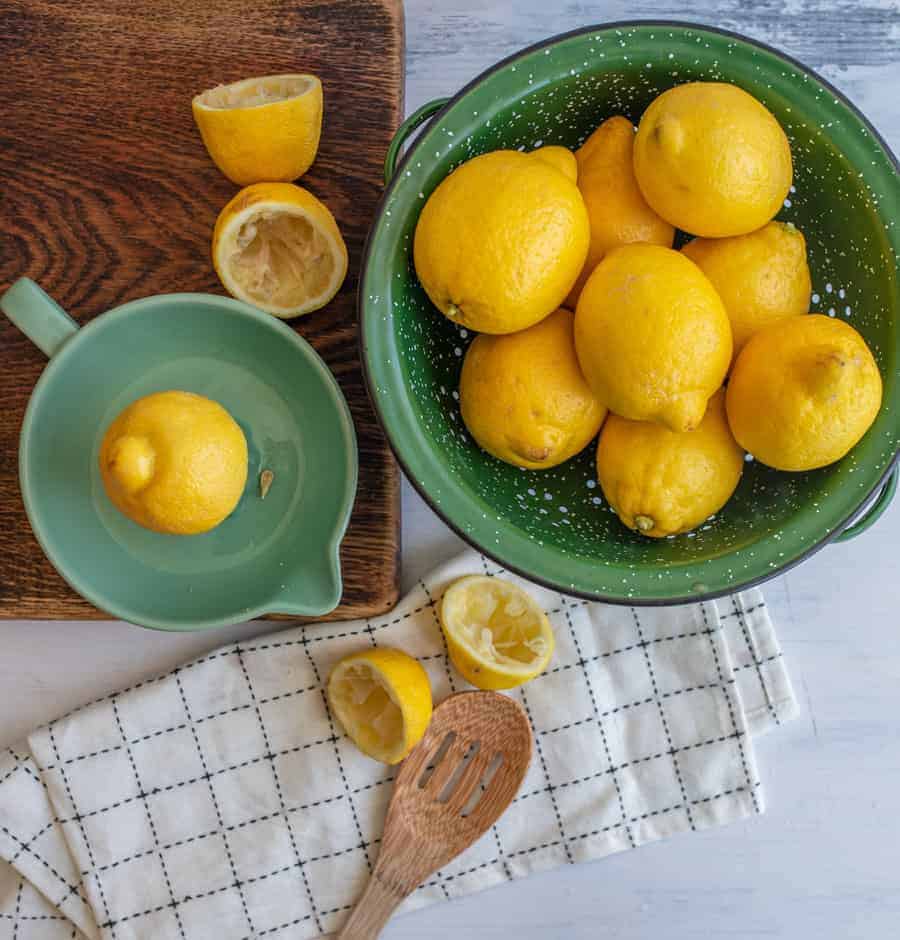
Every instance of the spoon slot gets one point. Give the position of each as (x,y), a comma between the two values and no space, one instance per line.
(482,784)
(435,761)
(458,772)
(447,768)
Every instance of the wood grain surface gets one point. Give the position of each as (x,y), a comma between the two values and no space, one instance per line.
(109,195)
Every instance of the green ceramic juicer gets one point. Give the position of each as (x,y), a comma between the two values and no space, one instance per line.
(277,555)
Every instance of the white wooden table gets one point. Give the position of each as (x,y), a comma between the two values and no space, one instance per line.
(824,861)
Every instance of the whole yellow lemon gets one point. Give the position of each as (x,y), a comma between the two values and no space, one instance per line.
(618,212)
(761,277)
(500,241)
(710,159)
(652,336)
(662,482)
(802,392)
(174,462)
(523,397)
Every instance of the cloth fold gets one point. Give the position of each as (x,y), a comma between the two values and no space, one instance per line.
(221,799)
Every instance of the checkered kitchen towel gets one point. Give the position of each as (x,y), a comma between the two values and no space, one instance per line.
(222,801)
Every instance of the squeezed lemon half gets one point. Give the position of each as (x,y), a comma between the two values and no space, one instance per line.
(382,698)
(497,635)
(278,247)
(265,128)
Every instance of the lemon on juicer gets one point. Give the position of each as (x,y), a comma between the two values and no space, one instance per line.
(174,462)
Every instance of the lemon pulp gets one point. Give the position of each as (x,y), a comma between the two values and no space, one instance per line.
(281,259)
(255,91)
(377,717)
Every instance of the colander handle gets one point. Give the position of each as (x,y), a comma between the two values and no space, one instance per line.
(38,316)
(874,512)
(418,117)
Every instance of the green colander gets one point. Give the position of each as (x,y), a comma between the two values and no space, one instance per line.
(554,526)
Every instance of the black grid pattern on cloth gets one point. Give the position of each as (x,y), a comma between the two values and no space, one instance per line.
(221,830)
(25,847)
(599,719)
(28,849)
(495,832)
(269,644)
(548,782)
(29,912)
(173,904)
(270,757)
(17,762)
(642,643)
(738,611)
(438,879)
(18,910)
(569,698)
(732,709)
(363,845)
(79,822)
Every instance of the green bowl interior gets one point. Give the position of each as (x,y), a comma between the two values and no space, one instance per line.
(554,525)
(277,554)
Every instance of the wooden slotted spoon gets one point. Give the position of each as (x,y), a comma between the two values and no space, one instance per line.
(450,790)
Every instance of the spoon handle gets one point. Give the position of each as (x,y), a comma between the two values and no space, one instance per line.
(373,910)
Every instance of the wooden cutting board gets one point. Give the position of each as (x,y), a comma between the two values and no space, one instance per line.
(107,194)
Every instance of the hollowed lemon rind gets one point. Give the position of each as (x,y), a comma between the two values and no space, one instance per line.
(483,658)
(382,699)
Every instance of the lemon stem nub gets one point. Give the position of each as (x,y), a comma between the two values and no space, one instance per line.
(454,312)
(132,462)
(827,374)
(644,523)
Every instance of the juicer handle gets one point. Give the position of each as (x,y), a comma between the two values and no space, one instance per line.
(418,117)
(873,513)
(38,316)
